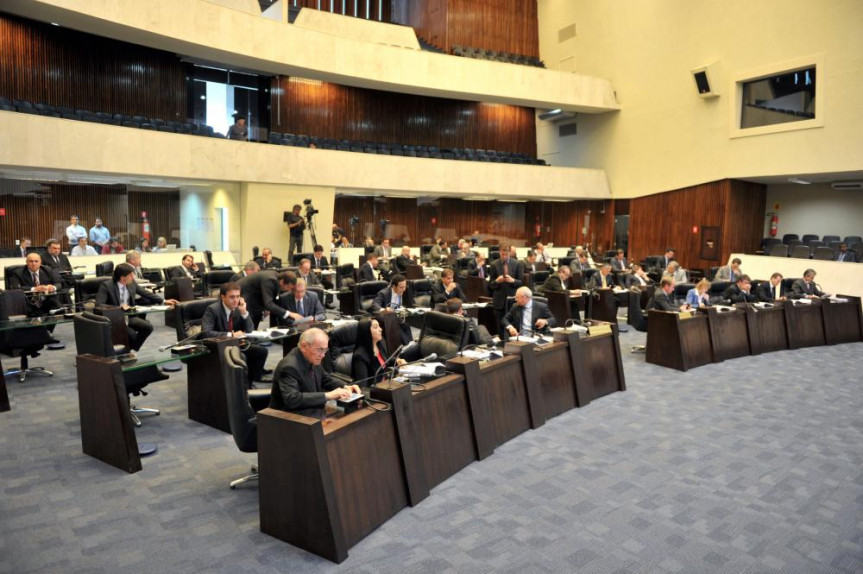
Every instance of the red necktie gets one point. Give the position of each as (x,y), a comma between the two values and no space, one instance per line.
(231,323)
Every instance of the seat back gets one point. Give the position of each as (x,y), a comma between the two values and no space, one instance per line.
(443,334)
(558,304)
(808,237)
(295,260)
(12,303)
(779,250)
(717,288)
(635,314)
(800,252)
(104,269)
(180,288)
(345,276)
(789,237)
(823,254)
(852,240)
(769,242)
(215,279)
(93,335)
(828,238)
(343,341)
(86,289)
(10,275)
(241,416)
(414,272)
(538,278)
(364,294)
(189,315)
(420,293)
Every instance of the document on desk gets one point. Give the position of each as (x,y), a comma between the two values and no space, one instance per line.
(619,290)
(724,308)
(474,305)
(153,308)
(422,370)
(836,299)
(576,328)
(339,322)
(802,301)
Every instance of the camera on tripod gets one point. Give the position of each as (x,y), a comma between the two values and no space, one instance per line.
(310,209)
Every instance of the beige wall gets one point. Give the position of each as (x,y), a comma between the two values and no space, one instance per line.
(665,136)
(200,222)
(262,206)
(210,32)
(816,209)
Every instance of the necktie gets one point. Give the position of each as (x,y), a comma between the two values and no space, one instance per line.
(505,268)
(124,295)
(231,323)
(56,260)
(481,276)
(776,291)
(35,278)
(300,307)
(603,280)
(732,276)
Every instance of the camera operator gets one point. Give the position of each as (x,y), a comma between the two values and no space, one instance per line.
(296,225)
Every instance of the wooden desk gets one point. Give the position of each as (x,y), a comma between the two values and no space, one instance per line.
(767,329)
(805,324)
(474,288)
(206,399)
(677,342)
(843,322)
(597,364)
(602,305)
(729,333)
(555,378)
(325,485)
(391,325)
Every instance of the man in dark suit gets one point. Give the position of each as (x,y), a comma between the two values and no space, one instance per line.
(302,305)
(662,300)
(740,291)
(41,282)
(304,272)
(123,292)
(393,297)
(478,268)
(252,289)
(638,278)
(527,315)
(384,253)
(806,287)
(478,335)
(320,260)
(267,261)
(59,265)
(22,249)
(843,255)
(188,268)
(772,290)
(619,263)
(276,302)
(603,279)
(301,385)
(505,278)
(250,268)
(558,282)
(670,255)
(529,262)
(368,270)
(229,317)
(403,260)
(446,288)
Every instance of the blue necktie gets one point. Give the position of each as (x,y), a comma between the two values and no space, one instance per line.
(300,307)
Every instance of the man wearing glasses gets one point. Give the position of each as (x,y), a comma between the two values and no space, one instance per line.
(300,384)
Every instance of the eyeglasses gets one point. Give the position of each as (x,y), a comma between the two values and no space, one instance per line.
(320,350)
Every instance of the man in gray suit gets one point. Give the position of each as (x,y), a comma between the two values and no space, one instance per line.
(729,272)
(527,315)
(385,254)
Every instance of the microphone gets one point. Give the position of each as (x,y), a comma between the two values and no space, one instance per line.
(431,357)
(65,308)
(164,348)
(396,354)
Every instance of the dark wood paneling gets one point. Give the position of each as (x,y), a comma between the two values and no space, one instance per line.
(563,223)
(62,67)
(667,220)
(501,25)
(427,17)
(314,108)
(41,210)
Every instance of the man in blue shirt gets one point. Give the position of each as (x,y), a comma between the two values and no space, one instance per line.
(99,235)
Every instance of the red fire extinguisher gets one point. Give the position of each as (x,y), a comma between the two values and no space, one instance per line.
(774,225)
(145,226)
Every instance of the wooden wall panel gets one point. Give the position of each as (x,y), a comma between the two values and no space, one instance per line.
(667,220)
(41,210)
(163,212)
(500,25)
(314,108)
(427,17)
(563,223)
(62,67)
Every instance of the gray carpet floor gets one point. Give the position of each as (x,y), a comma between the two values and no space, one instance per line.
(753,465)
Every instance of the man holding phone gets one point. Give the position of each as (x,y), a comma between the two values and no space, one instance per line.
(229,317)
(504,278)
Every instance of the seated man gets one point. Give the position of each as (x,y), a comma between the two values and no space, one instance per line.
(446,288)
(304,272)
(267,261)
(368,270)
(113,246)
(542,255)
(229,317)
(558,281)
(250,268)
(478,267)
(580,263)
(844,254)
(662,300)
(603,279)
(123,292)
(729,272)
(529,262)
(740,291)
(385,254)
(619,263)
(41,282)
(802,288)
(23,247)
(82,248)
(320,261)
(478,335)
(392,298)
(676,272)
(638,278)
(58,263)
(438,253)
(303,305)
(403,260)
(300,384)
(772,290)
(527,316)
(188,268)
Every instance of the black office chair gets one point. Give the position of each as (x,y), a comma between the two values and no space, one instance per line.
(538,278)
(717,288)
(778,250)
(802,252)
(823,254)
(364,294)
(104,269)
(242,415)
(297,257)
(215,279)
(828,238)
(188,316)
(790,237)
(93,337)
(808,237)
(852,240)
(87,289)
(441,333)
(339,358)
(345,276)
(680,291)
(769,242)
(420,292)
(24,343)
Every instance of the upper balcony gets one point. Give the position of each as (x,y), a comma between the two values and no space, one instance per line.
(323,46)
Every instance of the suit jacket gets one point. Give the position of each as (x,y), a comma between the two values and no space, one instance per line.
(215,324)
(619,264)
(725,274)
(24,280)
(15,251)
(63,265)
(473,269)
(765,292)
(679,275)
(596,281)
(439,294)
(539,311)
(252,289)
(367,273)
(500,291)
(631,281)
(322,263)
(180,271)
(364,366)
(109,294)
(237,276)
(436,254)
(553,283)
(311,279)
(662,302)
(384,299)
(311,306)
(847,256)
(528,266)
(274,263)
(802,289)
(299,387)
(402,263)
(379,251)
(577,267)
(736,295)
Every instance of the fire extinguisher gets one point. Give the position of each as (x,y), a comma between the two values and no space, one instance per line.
(774,225)
(145,226)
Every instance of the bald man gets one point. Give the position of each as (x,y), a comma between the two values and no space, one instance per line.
(527,315)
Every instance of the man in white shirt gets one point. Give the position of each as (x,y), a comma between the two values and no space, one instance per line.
(74,231)
(541,255)
(82,248)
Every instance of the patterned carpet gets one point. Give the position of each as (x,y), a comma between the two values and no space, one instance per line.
(753,465)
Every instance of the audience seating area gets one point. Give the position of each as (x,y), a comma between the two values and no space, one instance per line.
(812,247)
(505,57)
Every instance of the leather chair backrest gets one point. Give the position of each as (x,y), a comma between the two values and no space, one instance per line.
(801,252)
(104,269)
(681,289)
(823,254)
(443,334)
(86,289)
(215,279)
(189,315)
(345,276)
(93,335)
(365,293)
(180,288)
(241,415)
(828,238)
(778,250)
(14,302)
(295,260)
(420,292)
(343,341)
(789,237)
(9,274)
(539,277)
(717,288)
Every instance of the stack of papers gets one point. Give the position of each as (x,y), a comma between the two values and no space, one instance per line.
(340,322)
(802,301)
(724,308)
(474,305)
(836,299)
(422,370)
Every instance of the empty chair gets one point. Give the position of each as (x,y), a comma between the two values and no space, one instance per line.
(800,252)
(148,127)
(829,238)
(28,110)
(789,236)
(339,357)
(131,124)
(104,116)
(768,242)
(140,119)
(104,269)
(808,237)
(852,240)
(717,288)
(24,343)
(243,406)
(19,104)
(778,251)
(823,254)
(814,244)
(793,243)
(168,129)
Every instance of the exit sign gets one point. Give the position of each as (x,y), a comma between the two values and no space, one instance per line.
(2,212)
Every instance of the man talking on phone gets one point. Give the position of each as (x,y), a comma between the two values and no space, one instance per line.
(229,317)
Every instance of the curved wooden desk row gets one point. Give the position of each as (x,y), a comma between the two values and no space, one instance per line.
(710,336)
(325,485)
